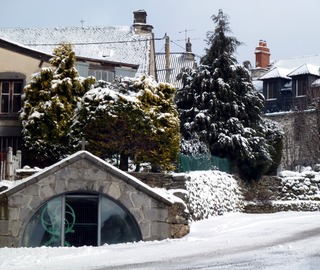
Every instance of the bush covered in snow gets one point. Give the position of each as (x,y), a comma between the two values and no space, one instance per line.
(212,193)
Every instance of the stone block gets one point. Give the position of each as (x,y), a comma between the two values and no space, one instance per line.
(125,199)
(156,214)
(145,227)
(140,200)
(4,228)
(60,187)
(35,202)
(15,227)
(8,241)
(32,190)
(25,213)
(45,192)
(138,214)
(13,213)
(160,231)
(179,230)
(114,190)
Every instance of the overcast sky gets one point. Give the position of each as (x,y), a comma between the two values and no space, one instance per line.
(290,27)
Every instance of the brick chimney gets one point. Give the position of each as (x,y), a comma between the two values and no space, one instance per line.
(188,46)
(140,25)
(262,55)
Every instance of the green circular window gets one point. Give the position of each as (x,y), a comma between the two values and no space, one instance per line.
(80,219)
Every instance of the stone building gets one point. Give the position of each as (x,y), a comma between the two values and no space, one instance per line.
(82,200)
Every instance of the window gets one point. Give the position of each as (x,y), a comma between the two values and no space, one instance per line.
(80,219)
(104,75)
(301,87)
(10,92)
(271,90)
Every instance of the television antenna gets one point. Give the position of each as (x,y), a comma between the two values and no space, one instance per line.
(185,31)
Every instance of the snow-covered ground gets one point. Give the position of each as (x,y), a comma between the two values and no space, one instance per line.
(285,240)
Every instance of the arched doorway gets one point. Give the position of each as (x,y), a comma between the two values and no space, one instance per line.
(79,219)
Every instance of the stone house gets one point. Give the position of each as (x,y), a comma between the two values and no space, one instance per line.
(82,200)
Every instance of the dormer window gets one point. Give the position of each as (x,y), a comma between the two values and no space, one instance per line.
(301,87)
(271,90)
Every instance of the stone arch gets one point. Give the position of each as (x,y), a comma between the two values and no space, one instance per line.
(80,218)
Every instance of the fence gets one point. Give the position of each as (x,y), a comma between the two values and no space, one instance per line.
(9,164)
(203,162)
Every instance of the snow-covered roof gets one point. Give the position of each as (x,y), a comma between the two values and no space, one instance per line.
(293,63)
(9,189)
(294,66)
(305,69)
(110,43)
(277,72)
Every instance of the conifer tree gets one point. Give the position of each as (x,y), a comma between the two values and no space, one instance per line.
(134,118)
(220,112)
(49,101)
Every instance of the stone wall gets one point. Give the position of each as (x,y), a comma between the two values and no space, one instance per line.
(297,127)
(162,180)
(289,191)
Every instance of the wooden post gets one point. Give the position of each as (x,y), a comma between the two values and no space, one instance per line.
(167,50)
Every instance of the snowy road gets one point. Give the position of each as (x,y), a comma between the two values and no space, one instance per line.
(275,241)
(288,240)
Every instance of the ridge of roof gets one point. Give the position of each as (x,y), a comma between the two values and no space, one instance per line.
(129,179)
(305,69)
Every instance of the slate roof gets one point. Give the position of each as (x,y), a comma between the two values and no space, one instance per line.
(305,69)
(294,66)
(277,72)
(177,62)
(114,44)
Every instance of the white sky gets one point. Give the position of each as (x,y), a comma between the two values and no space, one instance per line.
(288,26)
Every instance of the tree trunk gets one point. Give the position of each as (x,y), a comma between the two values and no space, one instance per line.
(124,162)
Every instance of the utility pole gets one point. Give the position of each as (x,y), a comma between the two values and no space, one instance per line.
(167,50)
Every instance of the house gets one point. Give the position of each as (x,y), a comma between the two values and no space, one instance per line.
(83,200)
(287,84)
(291,91)
(104,52)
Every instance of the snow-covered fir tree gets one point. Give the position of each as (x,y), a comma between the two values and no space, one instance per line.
(134,118)
(220,112)
(49,101)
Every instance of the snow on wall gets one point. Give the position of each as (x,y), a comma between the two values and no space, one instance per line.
(300,186)
(212,193)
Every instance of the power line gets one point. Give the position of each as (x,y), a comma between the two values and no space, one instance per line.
(96,43)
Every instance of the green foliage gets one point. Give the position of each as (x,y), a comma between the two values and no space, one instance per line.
(131,117)
(220,111)
(49,101)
